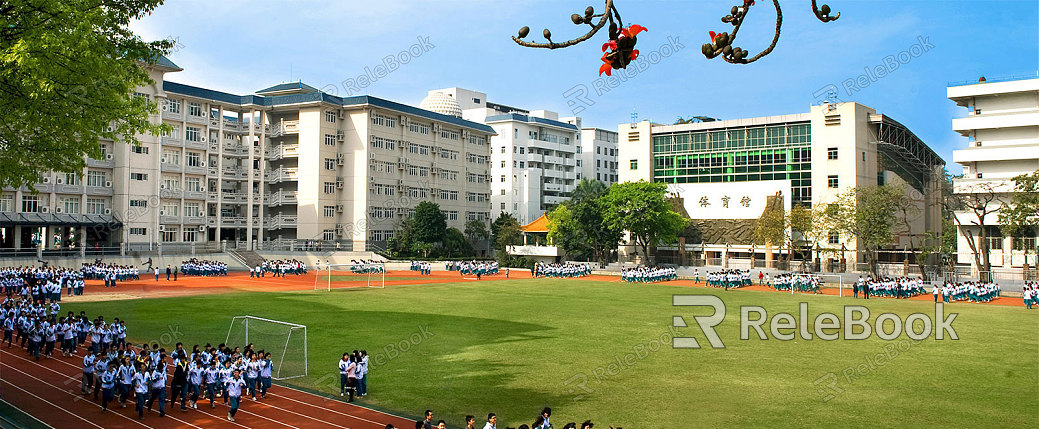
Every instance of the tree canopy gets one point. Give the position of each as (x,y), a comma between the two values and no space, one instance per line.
(642,209)
(68,73)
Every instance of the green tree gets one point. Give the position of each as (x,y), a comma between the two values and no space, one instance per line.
(429,223)
(506,232)
(68,73)
(565,231)
(979,201)
(867,214)
(642,209)
(476,230)
(455,244)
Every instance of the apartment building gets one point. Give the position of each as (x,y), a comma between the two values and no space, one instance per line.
(1002,130)
(284,165)
(597,155)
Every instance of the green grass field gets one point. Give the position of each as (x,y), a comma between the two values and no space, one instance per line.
(513,347)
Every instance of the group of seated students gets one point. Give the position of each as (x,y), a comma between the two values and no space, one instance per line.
(101,271)
(112,367)
(365,266)
(796,282)
(648,274)
(567,270)
(973,291)
(40,282)
(729,279)
(279,267)
(197,267)
(900,287)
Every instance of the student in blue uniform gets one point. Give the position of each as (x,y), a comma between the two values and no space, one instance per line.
(234,386)
(141,383)
(107,384)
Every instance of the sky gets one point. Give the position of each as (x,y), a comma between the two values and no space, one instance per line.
(244,46)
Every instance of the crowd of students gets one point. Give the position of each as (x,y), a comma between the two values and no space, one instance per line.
(477,268)
(102,271)
(728,279)
(542,421)
(795,282)
(567,270)
(424,268)
(279,268)
(648,274)
(973,291)
(40,282)
(1031,294)
(196,267)
(901,287)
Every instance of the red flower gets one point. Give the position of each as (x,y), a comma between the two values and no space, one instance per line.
(620,52)
(713,35)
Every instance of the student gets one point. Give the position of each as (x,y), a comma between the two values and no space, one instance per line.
(252,372)
(543,418)
(344,369)
(107,384)
(124,380)
(428,422)
(936,292)
(158,386)
(362,380)
(492,420)
(195,372)
(212,382)
(470,422)
(179,387)
(88,373)
(141,381)
(266,365)
(234,391)
(351,376)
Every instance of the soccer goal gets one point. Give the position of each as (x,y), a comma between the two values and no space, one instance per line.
(832,280)
(287,343)
(370,274)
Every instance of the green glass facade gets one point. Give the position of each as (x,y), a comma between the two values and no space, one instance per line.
(745,154)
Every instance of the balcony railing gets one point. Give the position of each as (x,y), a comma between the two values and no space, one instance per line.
(284,127)
(282,197)
(280,221)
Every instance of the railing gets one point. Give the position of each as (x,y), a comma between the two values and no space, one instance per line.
(282,197)
(284,127)
(997,79)
(280,221)
(280,174)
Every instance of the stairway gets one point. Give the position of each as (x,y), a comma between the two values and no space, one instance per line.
(248,258)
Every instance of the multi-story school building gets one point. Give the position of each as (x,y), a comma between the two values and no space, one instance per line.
(288,164)
(727,172)
(1002,130)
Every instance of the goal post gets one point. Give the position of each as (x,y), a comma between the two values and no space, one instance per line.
(286,342)
(368,274)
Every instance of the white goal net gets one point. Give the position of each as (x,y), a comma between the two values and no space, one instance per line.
(362,274)
(286,342)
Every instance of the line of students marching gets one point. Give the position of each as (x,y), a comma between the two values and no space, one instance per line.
(560,270)
(279,268)
(728,279)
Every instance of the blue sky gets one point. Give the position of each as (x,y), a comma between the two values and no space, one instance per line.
(243,46)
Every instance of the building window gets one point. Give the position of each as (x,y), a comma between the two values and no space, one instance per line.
(385,121)
(193,134)
(193,184)
(96,178)
(192,210)
(71,205)
(831,153)
(328,234)
(170,183)
(835,237)
(634,164)
(503,149)
(6,203)
(169,235)
(330,187)
(170,209)
(71,179)
(502,178)
(190,235)
(330,116)
(329,211)
(330,139)
(138,231)
(193,159)
(30,203)
(418,128)
(133,176)
(503,206)
(138,203)
(330,164)
(832,182)
(173,106)
(194,109)
(95,206)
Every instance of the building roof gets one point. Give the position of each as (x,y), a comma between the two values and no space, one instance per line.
(297,86)
(538,225)
(530,119)
(317,96)
(59,219)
